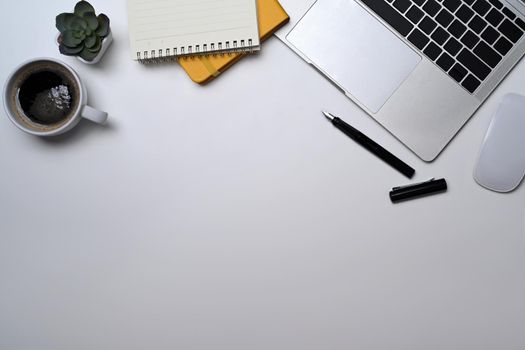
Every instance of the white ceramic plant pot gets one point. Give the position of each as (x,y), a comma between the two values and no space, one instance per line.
(105,44)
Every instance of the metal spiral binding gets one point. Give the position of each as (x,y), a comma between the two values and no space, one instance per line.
(171,55)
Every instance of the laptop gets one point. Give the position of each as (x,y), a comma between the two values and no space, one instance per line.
(421,68)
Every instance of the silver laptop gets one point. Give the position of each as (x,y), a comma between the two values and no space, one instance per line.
(421,68)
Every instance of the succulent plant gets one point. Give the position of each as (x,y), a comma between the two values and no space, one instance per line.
(82,32)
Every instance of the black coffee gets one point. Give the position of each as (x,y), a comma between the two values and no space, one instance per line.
(47,96)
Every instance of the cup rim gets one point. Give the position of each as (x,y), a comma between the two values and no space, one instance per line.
(74,119)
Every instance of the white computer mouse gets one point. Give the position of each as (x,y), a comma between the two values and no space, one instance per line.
(501,163)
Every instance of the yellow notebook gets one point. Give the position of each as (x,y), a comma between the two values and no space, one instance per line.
(202,69)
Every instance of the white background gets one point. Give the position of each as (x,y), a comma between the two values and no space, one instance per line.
(234,216)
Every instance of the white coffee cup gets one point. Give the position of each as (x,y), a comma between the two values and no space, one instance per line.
(79,107)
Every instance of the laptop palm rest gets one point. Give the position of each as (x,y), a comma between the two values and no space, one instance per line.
(352,48)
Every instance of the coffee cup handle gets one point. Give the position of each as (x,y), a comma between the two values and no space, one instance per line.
(94,115)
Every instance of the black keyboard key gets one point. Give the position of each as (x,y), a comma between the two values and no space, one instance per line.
(452,47)
(490,35)
(444,18)
(390,16)
(503,46)
(477,24)
(402,5)
(471,83)
(427,25)
(494,17)
(469,2)
(440,35)
(481,7)
(457,29)
(458,72)
(465,13)
(431,7)
(496,3)
(473,64)
(445,61)
(452,5)
(487,54)
(470,39)
(510,30)
(419,2)
(520,23)
(417,38)
(509,13)
(414,14)
(432,51)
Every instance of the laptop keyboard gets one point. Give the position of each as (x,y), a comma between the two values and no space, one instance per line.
(466,38)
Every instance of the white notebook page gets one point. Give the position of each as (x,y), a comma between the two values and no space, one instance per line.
(175,27)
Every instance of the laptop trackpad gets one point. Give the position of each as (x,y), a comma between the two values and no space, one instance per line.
(355,50)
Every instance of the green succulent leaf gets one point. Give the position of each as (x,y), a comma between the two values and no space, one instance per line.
(90,41)
(88,55)
(91,20)
(79,34)
(103,25)
(69,39)
(70,51)
(83,7)
(78,23)
(63,21)
(98,45)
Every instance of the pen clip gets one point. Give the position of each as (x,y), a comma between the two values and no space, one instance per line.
(411,185)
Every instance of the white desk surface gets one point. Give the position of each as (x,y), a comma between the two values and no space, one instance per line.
(234,216)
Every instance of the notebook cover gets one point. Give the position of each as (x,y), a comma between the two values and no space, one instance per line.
(202,69)
(169,28)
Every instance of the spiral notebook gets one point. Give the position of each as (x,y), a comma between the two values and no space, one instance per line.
(163,29)
(203,69)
